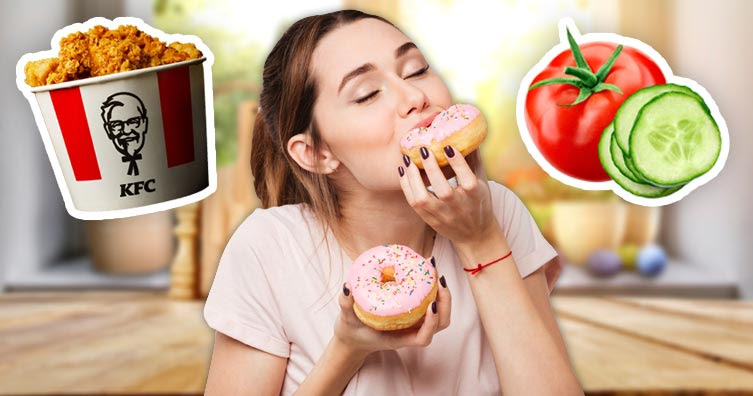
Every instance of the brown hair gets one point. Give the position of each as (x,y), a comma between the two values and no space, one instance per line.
(286,106)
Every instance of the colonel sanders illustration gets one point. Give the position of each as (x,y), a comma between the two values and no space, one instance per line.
(125,121)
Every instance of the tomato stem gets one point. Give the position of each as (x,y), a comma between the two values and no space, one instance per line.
(585,79)
(579,60)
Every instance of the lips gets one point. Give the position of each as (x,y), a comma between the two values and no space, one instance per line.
(426,121)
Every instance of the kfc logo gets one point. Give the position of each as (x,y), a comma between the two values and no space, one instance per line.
(124,115)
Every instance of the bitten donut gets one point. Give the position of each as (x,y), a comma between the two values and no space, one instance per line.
(461,126)
(392,287)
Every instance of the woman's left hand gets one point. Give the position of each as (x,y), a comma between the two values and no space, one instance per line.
(462,214)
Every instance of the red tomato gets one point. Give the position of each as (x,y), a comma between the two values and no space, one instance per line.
(568,136)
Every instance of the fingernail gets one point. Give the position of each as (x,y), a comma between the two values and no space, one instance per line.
(424,153)
(400,171)
(406,159)
(346,291)
(433,263)
(449,151)
(434,306)
(443,282)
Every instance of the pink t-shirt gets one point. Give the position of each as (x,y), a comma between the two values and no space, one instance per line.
(276,290)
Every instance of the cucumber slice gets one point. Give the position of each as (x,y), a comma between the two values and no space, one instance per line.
(624,118)
(605,155)
(642,179)
(674,139)
(618,158)
(631,168)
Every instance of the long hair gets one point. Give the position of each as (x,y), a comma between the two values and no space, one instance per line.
(286,104)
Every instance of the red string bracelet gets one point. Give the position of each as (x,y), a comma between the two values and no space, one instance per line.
(478,269)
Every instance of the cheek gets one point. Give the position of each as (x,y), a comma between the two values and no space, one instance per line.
(438,92)
(364,140)
(364,130)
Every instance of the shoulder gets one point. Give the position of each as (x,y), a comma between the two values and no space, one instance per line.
(274,222)
(504,201)
(508,208)
(269,230)
(530,249)
(261,241)
(498,190)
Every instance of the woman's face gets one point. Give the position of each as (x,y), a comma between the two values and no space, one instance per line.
(374,86)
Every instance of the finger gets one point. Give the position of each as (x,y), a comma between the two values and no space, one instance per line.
(346,304)
(463,173)
(423,202)
(419,192)
(444,302)
(442,188)
(426,332)
(405,185)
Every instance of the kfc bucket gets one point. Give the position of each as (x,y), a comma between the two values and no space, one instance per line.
(130,143)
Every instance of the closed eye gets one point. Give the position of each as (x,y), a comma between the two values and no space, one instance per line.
(420,72)
(367,97)
(371,95)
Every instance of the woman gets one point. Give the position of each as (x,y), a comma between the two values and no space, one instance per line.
(339,91)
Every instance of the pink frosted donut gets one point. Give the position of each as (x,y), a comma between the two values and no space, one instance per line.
(461,126)
(392,286)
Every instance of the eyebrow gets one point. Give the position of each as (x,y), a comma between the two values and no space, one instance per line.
(367,67)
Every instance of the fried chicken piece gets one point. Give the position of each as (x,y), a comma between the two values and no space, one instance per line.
(102,51)
(177,52)
(37,71)
(115,51)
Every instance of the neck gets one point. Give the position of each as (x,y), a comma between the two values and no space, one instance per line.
(386,218)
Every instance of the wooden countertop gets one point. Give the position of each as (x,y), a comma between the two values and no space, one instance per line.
(142,342)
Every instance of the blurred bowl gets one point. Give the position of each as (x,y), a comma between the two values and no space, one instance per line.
(583,227)
(132,245)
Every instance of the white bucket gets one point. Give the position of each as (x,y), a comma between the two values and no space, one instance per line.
(129,143)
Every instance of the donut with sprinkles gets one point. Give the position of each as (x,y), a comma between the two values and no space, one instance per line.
(461,126)
(392,286)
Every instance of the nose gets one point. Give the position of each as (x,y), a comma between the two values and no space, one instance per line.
(413,99)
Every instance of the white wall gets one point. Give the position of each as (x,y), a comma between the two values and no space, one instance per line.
(713,226)
(31,208)
(30,201)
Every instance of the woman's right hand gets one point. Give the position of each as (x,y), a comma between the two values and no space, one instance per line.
(351,332)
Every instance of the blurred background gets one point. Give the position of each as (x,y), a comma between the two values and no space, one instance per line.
(707,238)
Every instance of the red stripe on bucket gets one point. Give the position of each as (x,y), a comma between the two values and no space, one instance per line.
(69,109)
(177,122)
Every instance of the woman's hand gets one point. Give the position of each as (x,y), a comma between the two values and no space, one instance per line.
(461,214)
(351,332)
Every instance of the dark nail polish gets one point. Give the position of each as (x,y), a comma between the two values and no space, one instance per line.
(424,153)
(449,151)
(406,159)
(433,263)
(434,306)
(400,171)
(346,291)
(443,282)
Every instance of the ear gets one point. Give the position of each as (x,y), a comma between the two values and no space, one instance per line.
(301,149)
